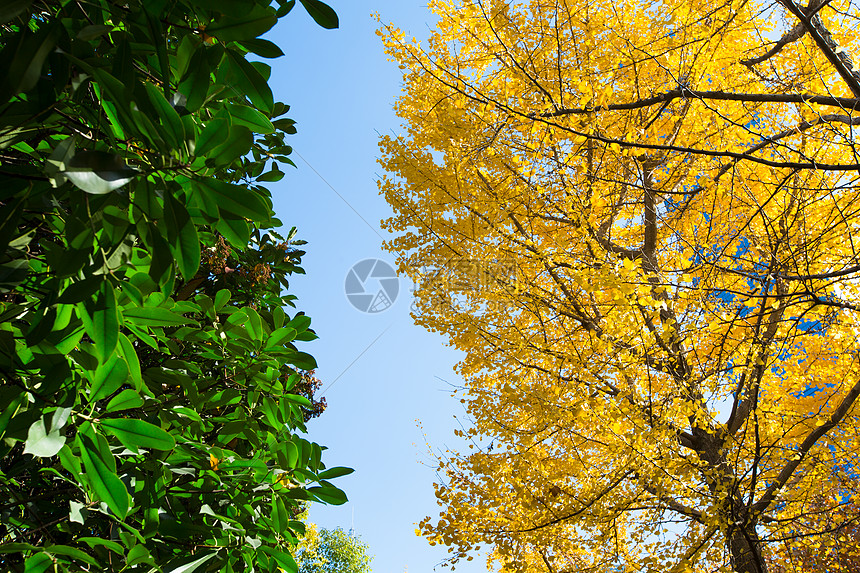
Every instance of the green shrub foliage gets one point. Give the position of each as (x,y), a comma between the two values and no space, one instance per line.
(146,356)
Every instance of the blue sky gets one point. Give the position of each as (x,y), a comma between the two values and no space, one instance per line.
(384,374)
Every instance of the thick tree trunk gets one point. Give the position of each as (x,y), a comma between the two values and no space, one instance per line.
(745,551)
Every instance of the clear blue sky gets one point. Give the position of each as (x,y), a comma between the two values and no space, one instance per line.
(384,374)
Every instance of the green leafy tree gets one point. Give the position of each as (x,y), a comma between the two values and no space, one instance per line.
(332,551)
(153,398)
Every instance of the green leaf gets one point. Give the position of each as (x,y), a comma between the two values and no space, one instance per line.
(190,567)
(154,316)
(246,80)
(328,494)
(250,118)
(99,542)
(263,48)
(336,472)
(93,31)
(280,515)
(284,559)
(195,84)
(182,237)
(75,554)
(41,443)
(101,320)
(108,377)
(292,453)
(254,326)
(16,547)
(98,172)
(172,128)
(77,512)
(274,175)
(222,297)
(303,360)
(236,231)
(125,400)
(105,483)
(247,26)
(135,433)
(81,290)
(38,563)
(280,337)
(286,7)
(213,135)
(238,144)
(235,200)
(138,554)
(10,9)
(322,13)
(300,322)
(23,57)
(128,352)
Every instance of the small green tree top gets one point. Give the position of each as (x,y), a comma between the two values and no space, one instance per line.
(332,551)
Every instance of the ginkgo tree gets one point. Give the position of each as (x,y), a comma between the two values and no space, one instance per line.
(639,221)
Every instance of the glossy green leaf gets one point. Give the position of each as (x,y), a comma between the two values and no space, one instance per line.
(137,555)
(274,175)
(128,352)
(125,400)
(101,320)
(284,559)
(38,563)
(280,337)
(263,48)
(99,542)
(247,26)
(182,237)
(280,515)
(108,377)
(195,84)
(303,361)
(77,512)
(336,472)
(42,443)
(213,135)
(75,554)
(250,118)
(246,80)
(137,433)
(98,172)
(23,57)
(235,200)
(254,326)
(322,13)
(192,566)
(235,231)
(154,316)
(10,9)
(102,477)
(328,494)
(93,31)
(172,129)
(238,144)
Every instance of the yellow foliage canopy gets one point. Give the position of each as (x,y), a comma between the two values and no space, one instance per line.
(639,220)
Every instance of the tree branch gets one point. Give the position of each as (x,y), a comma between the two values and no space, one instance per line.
(787,471)
(828,46)
(845,103)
